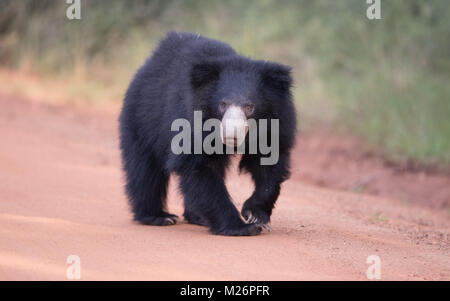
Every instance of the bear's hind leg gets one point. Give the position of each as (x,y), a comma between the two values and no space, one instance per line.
(193,218)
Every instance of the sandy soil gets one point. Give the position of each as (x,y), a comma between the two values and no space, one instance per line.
(341,162)
(61,193)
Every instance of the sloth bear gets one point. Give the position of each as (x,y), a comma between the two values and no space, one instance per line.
(188,73)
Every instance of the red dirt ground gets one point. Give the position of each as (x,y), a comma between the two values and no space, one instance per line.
(341,162)
(61,193)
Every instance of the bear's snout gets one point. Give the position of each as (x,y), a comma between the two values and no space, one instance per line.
(234,126)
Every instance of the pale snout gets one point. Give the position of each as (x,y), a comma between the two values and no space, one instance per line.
(233,127)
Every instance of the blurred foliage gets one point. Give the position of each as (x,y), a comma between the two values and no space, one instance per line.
(386,80)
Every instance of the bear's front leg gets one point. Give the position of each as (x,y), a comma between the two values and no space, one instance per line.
(258,208)
(206,196)
(267,178)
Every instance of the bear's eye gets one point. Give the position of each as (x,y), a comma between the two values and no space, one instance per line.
(223,106)
(249,109)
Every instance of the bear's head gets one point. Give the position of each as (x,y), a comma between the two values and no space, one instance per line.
(236,89)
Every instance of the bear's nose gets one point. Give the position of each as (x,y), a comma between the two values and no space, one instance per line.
(234,126)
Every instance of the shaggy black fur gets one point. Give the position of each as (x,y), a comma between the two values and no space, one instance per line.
(188,72)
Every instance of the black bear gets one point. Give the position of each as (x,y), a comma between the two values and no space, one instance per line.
(188,73)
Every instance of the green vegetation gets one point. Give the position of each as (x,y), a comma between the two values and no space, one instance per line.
(380,217)
(386,80)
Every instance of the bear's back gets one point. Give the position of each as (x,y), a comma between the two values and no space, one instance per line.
(182,50)
(194,47)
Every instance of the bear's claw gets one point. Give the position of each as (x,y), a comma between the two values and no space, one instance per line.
(267,227)
(165,219)
(245,230)
(251,219)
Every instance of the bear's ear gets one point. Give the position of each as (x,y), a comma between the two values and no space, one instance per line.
(277,77)
(205,73)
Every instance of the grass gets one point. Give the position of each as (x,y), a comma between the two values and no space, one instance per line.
(378,216)
(409,120)
(384,80)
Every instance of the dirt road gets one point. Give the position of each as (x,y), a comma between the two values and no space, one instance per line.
(61,193)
